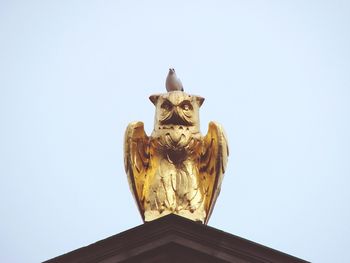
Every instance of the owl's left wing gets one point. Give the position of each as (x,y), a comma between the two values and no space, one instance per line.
(213,164)
(136,159)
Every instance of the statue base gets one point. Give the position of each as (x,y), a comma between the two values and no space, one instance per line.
(175,239)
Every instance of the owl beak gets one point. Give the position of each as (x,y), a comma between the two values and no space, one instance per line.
(176,119)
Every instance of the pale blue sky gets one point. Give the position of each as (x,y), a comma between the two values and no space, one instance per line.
(275,74)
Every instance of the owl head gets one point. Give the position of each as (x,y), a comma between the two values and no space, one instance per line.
(176,122)
(177,109)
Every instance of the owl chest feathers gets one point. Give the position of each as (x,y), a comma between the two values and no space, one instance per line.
(176,144)
(173,176)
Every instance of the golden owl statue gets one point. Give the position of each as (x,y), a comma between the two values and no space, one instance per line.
(176,169)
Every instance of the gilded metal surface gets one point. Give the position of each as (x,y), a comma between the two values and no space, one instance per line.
(176,169)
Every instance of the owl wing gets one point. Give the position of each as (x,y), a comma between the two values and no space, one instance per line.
(136,159)
(213,164)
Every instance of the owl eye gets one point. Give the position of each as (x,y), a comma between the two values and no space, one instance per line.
(166,105)
(186,106)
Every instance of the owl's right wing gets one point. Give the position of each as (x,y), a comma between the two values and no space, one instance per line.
(136,159)
(213,164)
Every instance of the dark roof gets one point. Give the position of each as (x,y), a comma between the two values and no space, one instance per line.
(174,239)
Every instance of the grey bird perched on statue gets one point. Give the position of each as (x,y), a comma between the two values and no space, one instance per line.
(173,83)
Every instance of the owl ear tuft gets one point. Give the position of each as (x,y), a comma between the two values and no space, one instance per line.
(200,100)
(154,99)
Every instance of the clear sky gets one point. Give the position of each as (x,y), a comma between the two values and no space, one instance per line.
(275,74)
